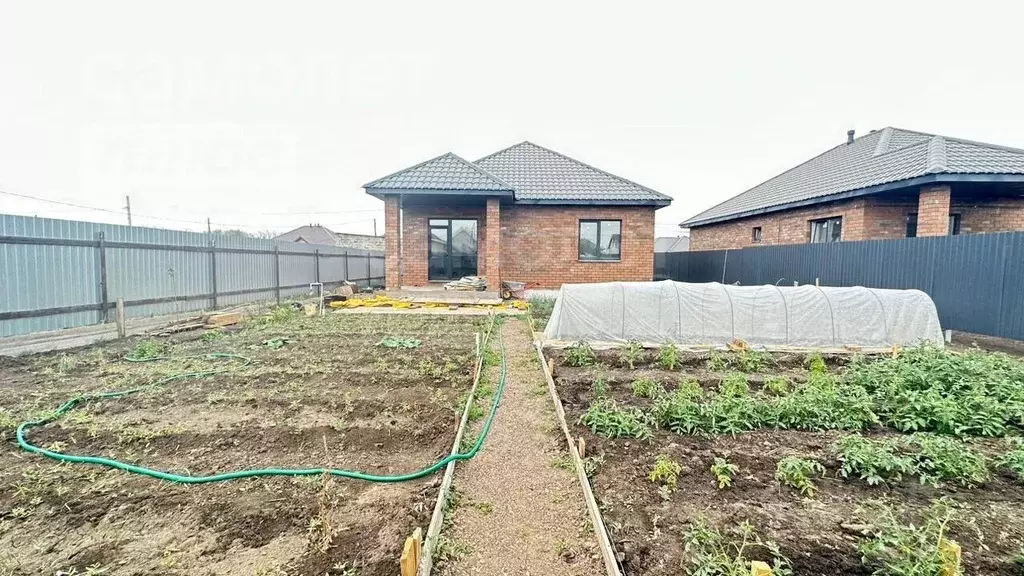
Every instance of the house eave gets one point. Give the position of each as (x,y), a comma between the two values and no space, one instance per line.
(943,178)
(582,202)
(381,193)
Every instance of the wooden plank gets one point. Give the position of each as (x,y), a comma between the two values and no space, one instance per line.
(437,518)
(466,300)
(224,319)
(410,560)
(120,318)
(604,543)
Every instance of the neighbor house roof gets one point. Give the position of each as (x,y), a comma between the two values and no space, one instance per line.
(528,173)
(317,234)
(446,172)
(672,244)
(882,160)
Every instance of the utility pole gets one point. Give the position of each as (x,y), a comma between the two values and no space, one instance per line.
(128,208)
(208,228)
(374,226)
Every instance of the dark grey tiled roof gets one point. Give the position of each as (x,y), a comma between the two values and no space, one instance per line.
(446,172)
(542,175)
(881,157)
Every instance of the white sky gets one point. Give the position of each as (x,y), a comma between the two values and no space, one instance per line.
(257,114)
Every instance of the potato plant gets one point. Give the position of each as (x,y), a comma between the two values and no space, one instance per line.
(797,472)
(668,356)
(632,354)
(724,472)
(606,418)
(710,552)
(874,461)
(666,472)
(580,354)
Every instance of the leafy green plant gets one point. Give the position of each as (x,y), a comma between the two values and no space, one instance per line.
(796,472)
(666,471)
(897,548)
(647,388)
(632,354)
(668,356)
(1013,459)
(777,384)
(709,552)
(749,360)
(580,354)
(212,335)
(146,350)
(734,385)
(600,388)
(607,419)
(816,364)
(716,362)
(874,461)
(724,472)
(821,403)
(941,459)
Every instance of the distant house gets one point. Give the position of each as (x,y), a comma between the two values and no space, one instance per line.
(671,244)
(317,234)
(890,183)
(525,213)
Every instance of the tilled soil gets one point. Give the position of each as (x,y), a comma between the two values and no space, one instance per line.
(330,397)
(647,529)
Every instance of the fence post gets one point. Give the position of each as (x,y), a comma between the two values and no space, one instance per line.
(102,245)
(213,272)
(316,263)
(368,285)
(277,274)
(345,275)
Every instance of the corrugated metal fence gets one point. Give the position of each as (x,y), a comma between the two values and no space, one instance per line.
(63,273)
(976,281)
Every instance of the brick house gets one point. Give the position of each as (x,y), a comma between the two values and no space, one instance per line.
(524,213)
(890,183)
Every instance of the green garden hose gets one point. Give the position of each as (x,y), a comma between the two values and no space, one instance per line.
(70,405)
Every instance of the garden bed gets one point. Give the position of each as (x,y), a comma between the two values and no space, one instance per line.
(320,392)
(690,454)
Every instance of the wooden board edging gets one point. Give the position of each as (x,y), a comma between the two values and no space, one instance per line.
(604,544)
(437,518)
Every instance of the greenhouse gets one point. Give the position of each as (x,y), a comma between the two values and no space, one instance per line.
(716,314)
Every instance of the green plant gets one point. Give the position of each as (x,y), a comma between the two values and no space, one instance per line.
(647,388)
(665,472)
(796,472)
(708,552)
(896,548)
(146,350)
(600,388)
(1013,459)
(632,354)
(605,418)
(875,461)
(749,360)
(716,362)
(668,356)
(816,364)
(212,335)
(734,385)
(941,459)
(724,472)
(777,384)
(580,354)
(821,403)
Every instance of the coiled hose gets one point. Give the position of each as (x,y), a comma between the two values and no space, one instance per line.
(225,476)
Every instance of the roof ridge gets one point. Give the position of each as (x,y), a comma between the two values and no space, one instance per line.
(883,141)
(446,154)
(966,141)
(581,163)
(936,155)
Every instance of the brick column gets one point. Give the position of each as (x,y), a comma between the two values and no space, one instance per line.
(492,245)
(392,238)
(933,211)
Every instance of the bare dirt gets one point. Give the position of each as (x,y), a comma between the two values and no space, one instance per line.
(329,397)
(647,529)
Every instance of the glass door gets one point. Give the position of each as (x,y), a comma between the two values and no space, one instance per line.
(452,250)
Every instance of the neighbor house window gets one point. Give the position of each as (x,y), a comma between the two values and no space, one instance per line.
(954,224)
(826,230)
(755,235)
(600,239)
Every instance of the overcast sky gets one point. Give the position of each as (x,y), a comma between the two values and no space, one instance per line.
(262,115)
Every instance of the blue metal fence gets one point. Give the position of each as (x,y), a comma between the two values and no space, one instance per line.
(62,274)
(976,281)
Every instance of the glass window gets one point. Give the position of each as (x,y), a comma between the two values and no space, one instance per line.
(912,225)
(954,224)
(600,239)
(755,235)
(826,230)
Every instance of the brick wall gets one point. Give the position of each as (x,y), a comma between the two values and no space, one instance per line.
(392,215)
(870,218)
(933,211)
(540,245)
(416,237)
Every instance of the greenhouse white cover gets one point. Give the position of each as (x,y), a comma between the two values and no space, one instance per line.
(715,314)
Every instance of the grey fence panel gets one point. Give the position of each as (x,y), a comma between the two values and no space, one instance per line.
(61,274)
(976,281)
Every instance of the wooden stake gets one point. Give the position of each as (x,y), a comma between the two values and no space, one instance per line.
(411,553)
(551,367)
(581,447)
(120,318)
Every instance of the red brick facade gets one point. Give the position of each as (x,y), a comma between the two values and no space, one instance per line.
(869,218)
(538,244)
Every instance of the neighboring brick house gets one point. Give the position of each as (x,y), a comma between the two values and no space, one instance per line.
(524,213)
(317,234)
(890,183)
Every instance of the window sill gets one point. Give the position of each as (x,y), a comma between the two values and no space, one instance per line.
(616,261)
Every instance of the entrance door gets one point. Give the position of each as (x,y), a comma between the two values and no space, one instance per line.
(452,250)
